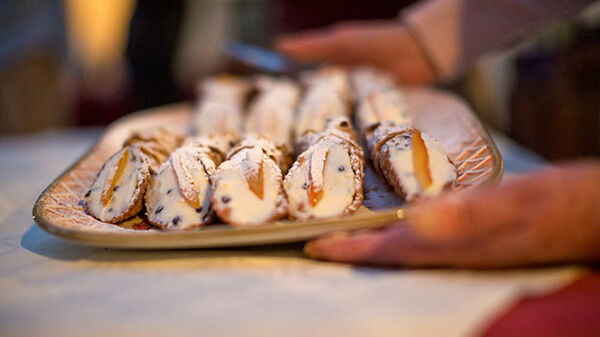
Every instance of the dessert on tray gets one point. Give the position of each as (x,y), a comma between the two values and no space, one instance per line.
(247,187)
(235,165)
(411,161)
(118,190)
(325,97)
(178,197)
(327,178)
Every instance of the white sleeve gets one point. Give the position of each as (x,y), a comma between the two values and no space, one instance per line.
(453,33)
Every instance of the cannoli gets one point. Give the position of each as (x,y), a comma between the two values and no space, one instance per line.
(224,88)
(120,185)
(327,178)
(336,78)
(220,109)
(271,113)
(217,147)
(381,106)
(247,187)
(327,97)
(178,197)
(319,105)
(156,145)
(413,162)
(367,80)
(284,89)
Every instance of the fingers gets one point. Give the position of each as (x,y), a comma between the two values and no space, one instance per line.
(310,46)
(383,44)
(346,43)
(381,247)
(345,247)
(396,245)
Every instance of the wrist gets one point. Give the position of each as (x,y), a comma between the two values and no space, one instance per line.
(434,27)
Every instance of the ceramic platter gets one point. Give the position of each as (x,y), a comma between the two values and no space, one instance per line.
(446,117)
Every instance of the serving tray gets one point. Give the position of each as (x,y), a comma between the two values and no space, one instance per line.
(446,117)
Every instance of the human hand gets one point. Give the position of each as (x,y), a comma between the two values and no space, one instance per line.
(550,216)
(384,44)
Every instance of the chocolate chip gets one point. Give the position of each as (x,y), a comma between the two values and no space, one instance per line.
(169,191)
(225,199)
(305,185)
(198,210)
(231,144)
(158,210)
(407,137)
(344,124)
(110,210)
(176,220)
(341,168)
(87,195)
(81,203)
(115,188)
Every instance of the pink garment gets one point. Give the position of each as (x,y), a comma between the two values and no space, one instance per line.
(453,33)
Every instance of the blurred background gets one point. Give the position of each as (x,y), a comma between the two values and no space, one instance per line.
(81,63)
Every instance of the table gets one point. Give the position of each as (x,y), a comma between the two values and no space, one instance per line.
(52,287)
